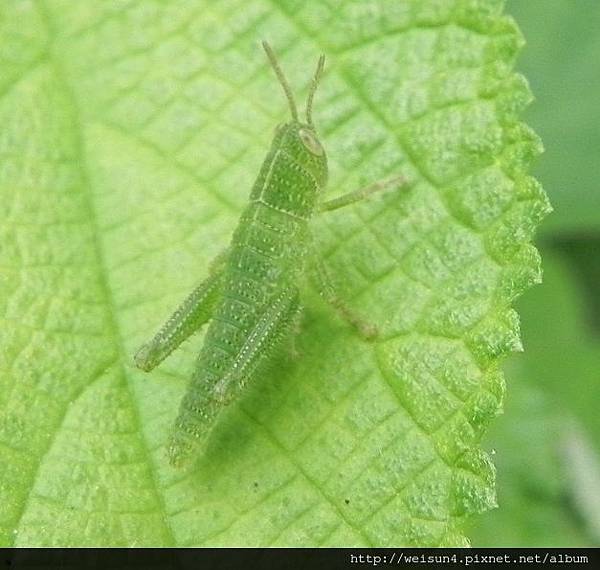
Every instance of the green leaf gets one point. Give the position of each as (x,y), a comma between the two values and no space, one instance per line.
(552,388)
(562,46)
(132,133)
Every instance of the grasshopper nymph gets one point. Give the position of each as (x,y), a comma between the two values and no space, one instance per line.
(251,296)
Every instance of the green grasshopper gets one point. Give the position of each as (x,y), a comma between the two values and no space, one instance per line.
(251,295)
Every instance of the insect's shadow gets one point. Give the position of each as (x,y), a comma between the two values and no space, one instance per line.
(245,426)
(241,424)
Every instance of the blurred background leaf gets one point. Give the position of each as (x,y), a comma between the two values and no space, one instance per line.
(553,389)
(547,443)
(561,63)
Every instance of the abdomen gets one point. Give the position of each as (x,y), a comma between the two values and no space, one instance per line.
(266,255)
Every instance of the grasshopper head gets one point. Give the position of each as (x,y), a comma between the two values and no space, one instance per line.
(300,139)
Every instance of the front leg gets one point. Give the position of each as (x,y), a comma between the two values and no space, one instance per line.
(362,193)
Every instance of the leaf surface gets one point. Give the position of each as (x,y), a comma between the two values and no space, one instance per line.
(132,132)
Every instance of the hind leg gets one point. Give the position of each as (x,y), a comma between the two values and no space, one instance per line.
(207,396)
(187,319)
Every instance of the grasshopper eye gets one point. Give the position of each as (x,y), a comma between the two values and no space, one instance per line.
(310,142)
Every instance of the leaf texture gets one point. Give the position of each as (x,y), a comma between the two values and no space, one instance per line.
(132,132)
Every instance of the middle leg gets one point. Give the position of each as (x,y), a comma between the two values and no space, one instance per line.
(321,277)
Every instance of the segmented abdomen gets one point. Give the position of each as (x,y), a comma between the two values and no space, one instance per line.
(265,257)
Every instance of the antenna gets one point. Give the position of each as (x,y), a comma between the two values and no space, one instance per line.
(282,79)
(313,88)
